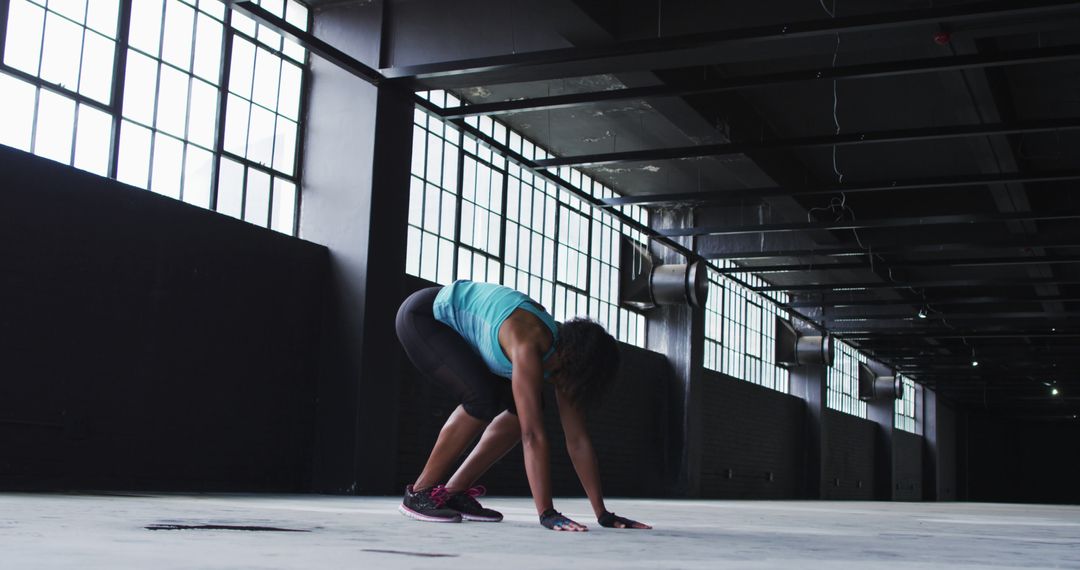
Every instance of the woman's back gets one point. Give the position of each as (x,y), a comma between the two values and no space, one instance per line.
(476,311)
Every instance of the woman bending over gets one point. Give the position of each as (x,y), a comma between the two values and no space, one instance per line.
(493,348)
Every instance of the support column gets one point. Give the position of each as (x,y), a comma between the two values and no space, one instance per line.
(809,382)
(355,201)
(676,332)
(882,412)
(939,447)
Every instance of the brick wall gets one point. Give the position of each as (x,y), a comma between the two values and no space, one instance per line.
(149,344)
(753,442)
(849,457)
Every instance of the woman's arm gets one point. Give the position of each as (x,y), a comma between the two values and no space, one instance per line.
(526,381)
(527,378)
(583,456)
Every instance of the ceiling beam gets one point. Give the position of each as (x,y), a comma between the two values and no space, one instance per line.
(960,335)
(953,316)
(922,263)
(816,141)
(974,300)
(677,51)
(907,246)
(731,83)
(741,196)
(899,222)
(925,283)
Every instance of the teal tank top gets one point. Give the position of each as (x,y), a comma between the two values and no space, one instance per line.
(477,310)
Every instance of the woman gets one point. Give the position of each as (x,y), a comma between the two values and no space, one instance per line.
(493,348)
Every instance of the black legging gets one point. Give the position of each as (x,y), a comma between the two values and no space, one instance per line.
(442,355)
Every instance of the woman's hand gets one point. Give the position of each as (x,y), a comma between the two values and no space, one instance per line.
(555,520)
(612,520)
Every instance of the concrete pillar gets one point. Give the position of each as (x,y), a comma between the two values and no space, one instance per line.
(882,411)
(809,382)
(676,332)
(939,447)
(355,201)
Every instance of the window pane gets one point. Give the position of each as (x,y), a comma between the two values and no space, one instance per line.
(17,102)
(179,27)
(202,121)
(168,166)
(134,161)
(293,50)
(261,136)
(103,16)
(26,23)
(140,88)
(243,23)
(275,7)
(446,261)
(96,77)
(73,9)
(283,211)
(265,86)
(198,174)
(236,125)
(269,37)
(61,53)
(172,101)
(208,48)
(289,98)
(93,139)
(55,126)
(257,201)
(241,67)
(215,8)
(285,146)
(230,197)
(296,14)
(145,33)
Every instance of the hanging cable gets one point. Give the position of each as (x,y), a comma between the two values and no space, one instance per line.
(836,112)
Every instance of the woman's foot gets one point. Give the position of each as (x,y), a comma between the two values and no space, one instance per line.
(428,505)
(470,509)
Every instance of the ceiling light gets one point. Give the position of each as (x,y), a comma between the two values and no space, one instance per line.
(1054,392)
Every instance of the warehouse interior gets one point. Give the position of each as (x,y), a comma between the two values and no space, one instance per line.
(211,212)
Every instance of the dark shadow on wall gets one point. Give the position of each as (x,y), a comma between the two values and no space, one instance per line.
(1015,461)
(149,344)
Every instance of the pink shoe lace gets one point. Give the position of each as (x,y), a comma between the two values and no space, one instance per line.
(477,491)
(439,495)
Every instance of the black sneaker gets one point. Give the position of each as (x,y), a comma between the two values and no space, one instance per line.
(470,509)
(428,505)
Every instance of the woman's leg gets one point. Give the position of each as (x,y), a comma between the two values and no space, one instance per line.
(446,358)
(501,435)
(457,433)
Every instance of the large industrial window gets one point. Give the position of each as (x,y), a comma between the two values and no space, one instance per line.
(906,411)
(842,391)
(473,214)
(185,98)
(740,331)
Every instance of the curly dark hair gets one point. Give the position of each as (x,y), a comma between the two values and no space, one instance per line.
(588,361)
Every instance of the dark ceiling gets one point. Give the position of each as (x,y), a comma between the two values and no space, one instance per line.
(942,185)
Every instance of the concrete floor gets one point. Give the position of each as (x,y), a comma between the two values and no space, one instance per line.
(109,531)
